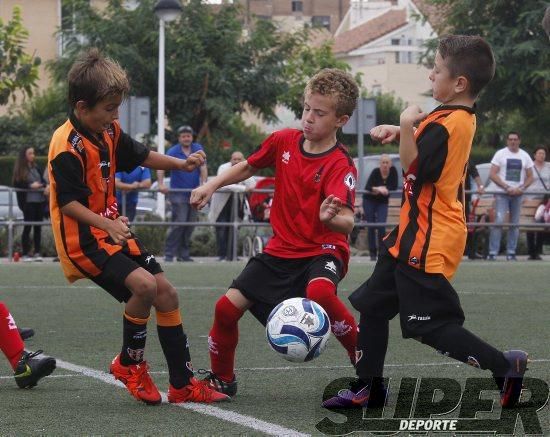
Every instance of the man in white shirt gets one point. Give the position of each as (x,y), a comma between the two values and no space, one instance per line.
(512,172)
(221,208)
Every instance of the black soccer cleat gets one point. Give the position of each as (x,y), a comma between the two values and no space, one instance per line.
(228,388)
(511,384)
(26,333)
(30,368)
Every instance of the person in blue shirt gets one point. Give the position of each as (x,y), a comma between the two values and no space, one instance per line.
(178,240)
(140,177)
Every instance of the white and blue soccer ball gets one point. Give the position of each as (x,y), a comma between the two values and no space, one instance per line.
(298,329)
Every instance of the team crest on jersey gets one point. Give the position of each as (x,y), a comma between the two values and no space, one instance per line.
(286,157)
(408,184)
(317,177)
(349,181)
(111,132)
(413,260)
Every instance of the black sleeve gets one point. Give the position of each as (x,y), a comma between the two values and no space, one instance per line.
(432,152)
(472,170)
(129,153)
(69,179)
(372,180)
(392,179)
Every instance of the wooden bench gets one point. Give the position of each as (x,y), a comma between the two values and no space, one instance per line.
(485,212)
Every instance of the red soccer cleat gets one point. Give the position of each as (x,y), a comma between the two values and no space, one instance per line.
(195,391)
(137,380)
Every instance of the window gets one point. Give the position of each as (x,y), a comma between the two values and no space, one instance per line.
(69,25)
(395,41)
(297,6)
(321,21)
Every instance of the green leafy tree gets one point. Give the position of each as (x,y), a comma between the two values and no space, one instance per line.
(18,70)
(520,87)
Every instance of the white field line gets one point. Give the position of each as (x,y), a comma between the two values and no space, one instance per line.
(296,368)
(208,410)
(203,287)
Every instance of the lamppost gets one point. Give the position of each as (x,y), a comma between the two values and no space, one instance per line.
(165,10)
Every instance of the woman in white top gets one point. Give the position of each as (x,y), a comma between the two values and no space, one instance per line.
(541,184)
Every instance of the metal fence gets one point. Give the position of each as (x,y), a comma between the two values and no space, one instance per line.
(11,222)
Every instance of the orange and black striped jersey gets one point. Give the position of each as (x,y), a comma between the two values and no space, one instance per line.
(82,168)
(431,234)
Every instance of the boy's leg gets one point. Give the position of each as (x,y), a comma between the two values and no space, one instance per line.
(324,273)
(224,335)
(11,343)
(183,386)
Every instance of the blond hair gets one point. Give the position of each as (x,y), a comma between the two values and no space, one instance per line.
(93,78)
(337,84)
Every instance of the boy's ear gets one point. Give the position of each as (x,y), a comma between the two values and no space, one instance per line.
(461,84)
(81,105)
(342,120)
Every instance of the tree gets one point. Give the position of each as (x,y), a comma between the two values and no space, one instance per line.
(513,28)
(18,70)
(214,67)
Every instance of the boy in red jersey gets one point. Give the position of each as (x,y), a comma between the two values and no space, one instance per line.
(311,216)
(28,367)
(93,240)
(421,255)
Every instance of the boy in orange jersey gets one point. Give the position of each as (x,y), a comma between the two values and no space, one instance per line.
(93,240)
(422,253)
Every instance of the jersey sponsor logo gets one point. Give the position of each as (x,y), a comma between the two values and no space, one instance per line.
(418,318)
(413,260)
(341,328)
(349,181)
(408,185)
(286,157)
(328,246)
(330,266)
(76,143)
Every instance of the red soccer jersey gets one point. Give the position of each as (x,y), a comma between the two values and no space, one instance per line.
(302,181)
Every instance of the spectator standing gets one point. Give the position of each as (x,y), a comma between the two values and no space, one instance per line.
(471,240)
(512,172)
(178,241)
(381,181)
(541,184)
(27,175)
(221,208)
(140,177)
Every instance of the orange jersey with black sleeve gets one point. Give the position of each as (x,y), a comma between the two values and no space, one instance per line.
(82,168)
(431,234)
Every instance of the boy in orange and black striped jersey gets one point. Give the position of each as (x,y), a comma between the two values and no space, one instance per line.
(422,253)
(94,241)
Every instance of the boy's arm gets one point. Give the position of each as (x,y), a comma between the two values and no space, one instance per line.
(239,172)
(335,216)
(385,133)
(158,161)
(117,229)
(408,151)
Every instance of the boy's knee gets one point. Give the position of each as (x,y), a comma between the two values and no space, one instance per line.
(145,290)
(320,289)
(226,313)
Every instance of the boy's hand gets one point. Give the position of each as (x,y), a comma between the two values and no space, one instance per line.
(118,230)
(194,161)
(330,208)
(412,115)
(200,196)
(385,133)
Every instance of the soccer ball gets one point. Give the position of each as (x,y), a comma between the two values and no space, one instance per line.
(298,329)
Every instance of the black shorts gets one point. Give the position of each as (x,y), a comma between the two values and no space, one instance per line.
(424,301)
(117,269)
(268,280)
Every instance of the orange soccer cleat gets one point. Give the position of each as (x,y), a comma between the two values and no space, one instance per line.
(195,391)
(137,380)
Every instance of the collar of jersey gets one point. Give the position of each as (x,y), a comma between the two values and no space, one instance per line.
(315,155)
(471,110)
(79,127)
